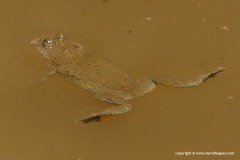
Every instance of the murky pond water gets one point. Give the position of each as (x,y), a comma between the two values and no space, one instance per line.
(144,37)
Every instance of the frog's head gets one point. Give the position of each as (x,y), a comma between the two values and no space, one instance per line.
(50,46)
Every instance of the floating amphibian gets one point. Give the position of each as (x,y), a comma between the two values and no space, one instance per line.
(108,81)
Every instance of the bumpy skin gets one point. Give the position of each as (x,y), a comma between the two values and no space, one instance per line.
(110,83)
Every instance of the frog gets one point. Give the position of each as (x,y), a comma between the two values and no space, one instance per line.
(109,82)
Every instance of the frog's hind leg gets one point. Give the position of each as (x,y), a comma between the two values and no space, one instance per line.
(195,81)
(121,106)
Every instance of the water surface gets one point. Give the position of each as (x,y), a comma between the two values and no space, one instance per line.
(144,37)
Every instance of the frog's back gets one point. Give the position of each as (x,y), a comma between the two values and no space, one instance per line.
(95,74)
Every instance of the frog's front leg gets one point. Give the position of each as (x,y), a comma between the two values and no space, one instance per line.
(49,72)
(121,106)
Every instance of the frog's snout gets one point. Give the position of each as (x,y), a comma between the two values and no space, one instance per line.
(35,42)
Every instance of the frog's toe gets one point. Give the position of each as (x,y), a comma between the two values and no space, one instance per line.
(95,118)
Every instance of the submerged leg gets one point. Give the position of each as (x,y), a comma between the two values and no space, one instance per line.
(195,81)
(49,72)
(121,106)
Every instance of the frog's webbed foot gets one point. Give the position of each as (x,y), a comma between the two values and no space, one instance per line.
(95,118)
(195,81)
(49,72)
(121,106)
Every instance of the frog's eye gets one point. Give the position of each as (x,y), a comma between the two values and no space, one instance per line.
(46,42)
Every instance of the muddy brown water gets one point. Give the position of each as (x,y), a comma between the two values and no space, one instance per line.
(145,37)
